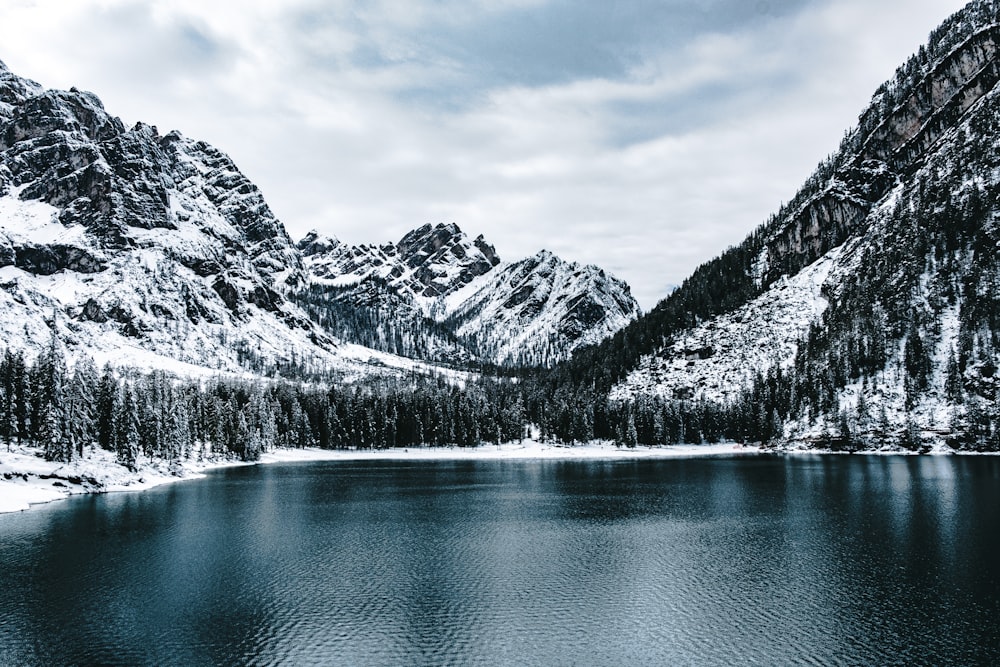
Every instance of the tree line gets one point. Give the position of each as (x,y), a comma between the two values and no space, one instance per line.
(63,410)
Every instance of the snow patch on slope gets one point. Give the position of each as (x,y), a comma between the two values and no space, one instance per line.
(719,358)
(34,221)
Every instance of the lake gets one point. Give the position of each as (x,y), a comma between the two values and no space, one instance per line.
(839,560)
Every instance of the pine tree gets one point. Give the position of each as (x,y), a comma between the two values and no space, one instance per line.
(845,437)
(630,436)
(79,423)
(50,374)
(13,380)
(953,388)
(917,362)
(911,435)
(862,408)
(126,428)
(106,394)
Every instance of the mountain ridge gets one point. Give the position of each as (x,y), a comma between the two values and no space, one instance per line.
(147,250)
(530,312)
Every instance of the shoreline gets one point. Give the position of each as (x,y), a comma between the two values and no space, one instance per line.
(27,480)
(526,451)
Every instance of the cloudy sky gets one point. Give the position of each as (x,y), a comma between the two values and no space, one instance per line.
(644,136)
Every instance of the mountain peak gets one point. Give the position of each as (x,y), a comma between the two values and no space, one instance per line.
(315,243)
(440,259)
(538,310)
(428,239)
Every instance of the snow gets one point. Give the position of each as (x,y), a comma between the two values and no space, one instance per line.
(34,221)
(368,359)
(527,450)
(22,484)
(752,339)
(450,303)
(26,479)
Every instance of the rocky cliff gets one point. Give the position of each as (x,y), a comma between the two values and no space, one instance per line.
(143,249)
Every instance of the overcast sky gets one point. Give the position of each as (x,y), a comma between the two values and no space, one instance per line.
(644,136)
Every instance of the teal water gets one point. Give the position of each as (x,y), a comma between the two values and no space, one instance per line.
(759,560)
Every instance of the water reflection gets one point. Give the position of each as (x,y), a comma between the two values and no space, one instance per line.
(847,560)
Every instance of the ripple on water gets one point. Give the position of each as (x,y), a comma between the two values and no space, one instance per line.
(672,562)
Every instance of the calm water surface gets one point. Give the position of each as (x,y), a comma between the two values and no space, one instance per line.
(826,560)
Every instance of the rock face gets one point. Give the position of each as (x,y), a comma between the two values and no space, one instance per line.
(140,248)
(151,249)
(427,263)
(908,116)
(868,304)
(532,312)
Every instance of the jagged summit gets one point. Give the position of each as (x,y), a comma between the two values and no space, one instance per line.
(427,263)
(530,312)
(443,259)
(123,179)
(545,256)
(315,243)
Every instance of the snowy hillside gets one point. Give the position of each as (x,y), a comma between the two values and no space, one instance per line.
(538,310)
(719,359)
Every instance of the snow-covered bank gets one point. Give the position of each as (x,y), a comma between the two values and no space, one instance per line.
(27,479)
(524,450)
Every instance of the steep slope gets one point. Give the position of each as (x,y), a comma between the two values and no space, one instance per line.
(437,295)
(719,359)
(539,310)
(142,249)
(866,306)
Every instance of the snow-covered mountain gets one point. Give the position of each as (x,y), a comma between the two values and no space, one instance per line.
(868,304)
(538,310)
(154,250)
(144,249)
(469,305)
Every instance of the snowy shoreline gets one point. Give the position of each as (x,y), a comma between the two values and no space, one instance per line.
(27,480)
